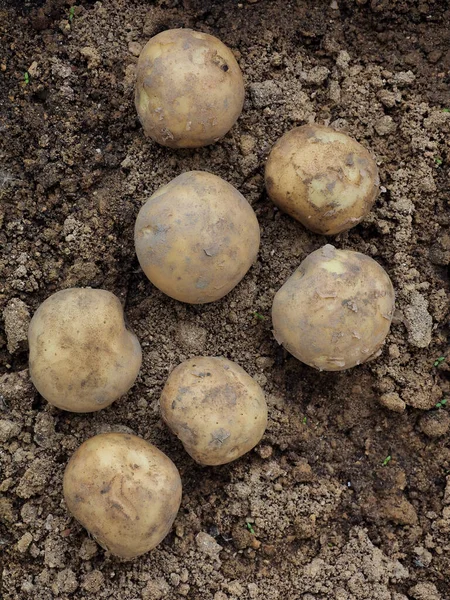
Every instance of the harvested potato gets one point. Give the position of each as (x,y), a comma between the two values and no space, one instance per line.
(189,89)
(335,310)
(82,354)
(323,178)
(196,237)
(124,491)
(215,408)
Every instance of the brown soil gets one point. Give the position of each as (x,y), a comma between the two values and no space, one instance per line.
(328,518)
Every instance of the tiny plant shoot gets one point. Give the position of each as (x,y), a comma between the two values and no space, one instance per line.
(250,528)
(438,361)
(259,316)
(386,460)
(442,403)
(26,77)
(71,13)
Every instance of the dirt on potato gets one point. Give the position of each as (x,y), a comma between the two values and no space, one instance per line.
(348,495)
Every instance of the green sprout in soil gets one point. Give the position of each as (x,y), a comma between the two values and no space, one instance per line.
(438,361)
(71,13)
(446,110)
(259,316)
(442,403)
(26,77)
(304,420)
(386,460)
(438,160)
(250,528)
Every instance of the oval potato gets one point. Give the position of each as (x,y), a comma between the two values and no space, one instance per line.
(335,310)
(82,354)
(124,491)
(196,237)
(189,89)
(323,178)
(215,408)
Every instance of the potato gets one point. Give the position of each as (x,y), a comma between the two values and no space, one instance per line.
(335,310)
(124,491)
(323,178)
(82,354)
(196,237)
(189,89)
(216,409)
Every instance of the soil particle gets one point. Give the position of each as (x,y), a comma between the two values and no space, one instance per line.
(418,321)
(265,93)
(134,48)
(24,543)
(93,582)
(155,590)
(389,99)
(398,510)
(88,549)
(8,430)
(385,125)
(447,491)
(424,557)
(315,76)
(392,401)
(424,591)
(191,337)
(207,544)
(44,430)
(440,251)
(435,424)
(17,318)
(421,391)
(242,537)
(305,527)
(350,576)
(7,513)
(302,473)
(55,551)
(66,582)
(35,478)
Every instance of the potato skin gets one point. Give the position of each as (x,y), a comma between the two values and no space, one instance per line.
(124,491)
(189,89)
(82,355)
(323,178)
(215,408)
(196,237)
(335,310)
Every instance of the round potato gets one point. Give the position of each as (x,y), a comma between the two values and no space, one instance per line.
(323,178)
(215,408)
(196,237)
(82,354)
(124,491)
(335,310)
(189,89)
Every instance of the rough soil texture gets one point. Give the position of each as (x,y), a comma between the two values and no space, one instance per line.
(330,516)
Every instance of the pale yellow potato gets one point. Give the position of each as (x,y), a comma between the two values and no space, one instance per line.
(335,310)
(82,354)
(124,491)
(215,408)
(323,178)
(196,237)
(189,89)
